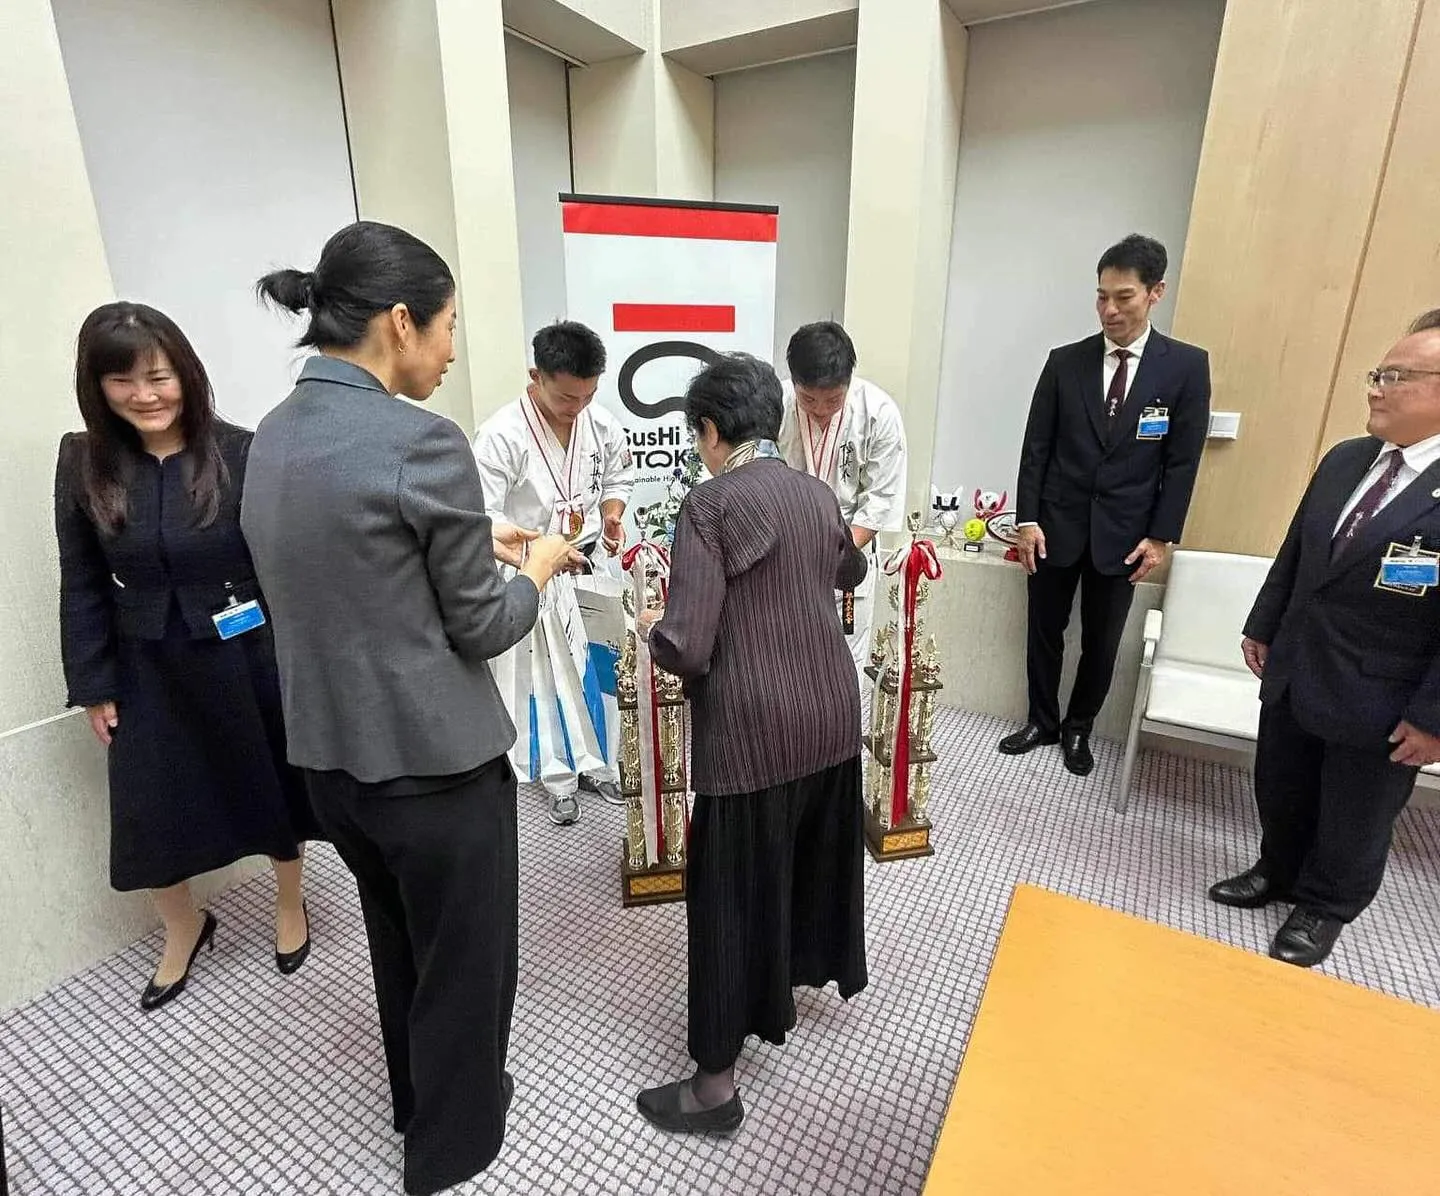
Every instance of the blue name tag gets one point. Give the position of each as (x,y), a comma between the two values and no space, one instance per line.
(1410,571)
(1154,423)
(238,619)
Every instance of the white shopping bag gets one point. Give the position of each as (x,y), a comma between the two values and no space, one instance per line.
(600,598)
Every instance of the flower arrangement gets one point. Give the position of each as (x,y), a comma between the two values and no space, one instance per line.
(657,521)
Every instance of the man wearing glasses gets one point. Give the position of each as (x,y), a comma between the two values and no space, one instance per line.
(1345,638)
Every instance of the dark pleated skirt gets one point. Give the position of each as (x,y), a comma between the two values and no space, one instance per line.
(776,899)
(198,774)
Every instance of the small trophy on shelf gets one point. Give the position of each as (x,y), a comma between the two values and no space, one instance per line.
(905,669)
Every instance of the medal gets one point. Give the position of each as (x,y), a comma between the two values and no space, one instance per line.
(569,513)
(572,522)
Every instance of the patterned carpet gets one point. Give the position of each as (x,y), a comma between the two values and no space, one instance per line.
(253,1083)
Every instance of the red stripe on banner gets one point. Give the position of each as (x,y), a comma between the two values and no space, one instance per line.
(636,220)
(674,317)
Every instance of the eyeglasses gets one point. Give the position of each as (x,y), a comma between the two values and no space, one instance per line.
(1380,379)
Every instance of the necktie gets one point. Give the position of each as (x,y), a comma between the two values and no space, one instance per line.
(1368,505)
(1115,396)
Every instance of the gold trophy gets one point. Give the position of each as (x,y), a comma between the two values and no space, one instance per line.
(897,818)
(652,877)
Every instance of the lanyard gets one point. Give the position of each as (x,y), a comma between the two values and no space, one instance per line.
(821,462)
(543,437)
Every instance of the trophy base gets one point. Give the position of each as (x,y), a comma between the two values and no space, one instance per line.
(908,841)
(649,886)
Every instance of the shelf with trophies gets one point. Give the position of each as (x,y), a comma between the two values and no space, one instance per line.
(905,671)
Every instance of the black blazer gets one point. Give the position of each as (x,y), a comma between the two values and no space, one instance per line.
(1354,659)
(125,584)
(1087,492)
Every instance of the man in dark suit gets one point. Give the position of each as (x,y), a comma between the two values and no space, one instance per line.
(1345,638)
(1111,450)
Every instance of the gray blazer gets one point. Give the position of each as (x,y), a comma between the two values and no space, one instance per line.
(367,525)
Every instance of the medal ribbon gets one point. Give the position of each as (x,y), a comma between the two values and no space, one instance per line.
(822,462)
(544,437)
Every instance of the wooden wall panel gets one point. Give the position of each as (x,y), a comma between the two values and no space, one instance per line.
(1400,277)
(1301,113)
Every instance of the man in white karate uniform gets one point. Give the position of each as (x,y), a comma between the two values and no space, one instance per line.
(553,462)
(847,432)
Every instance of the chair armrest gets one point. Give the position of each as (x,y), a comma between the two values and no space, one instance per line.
(1154,622)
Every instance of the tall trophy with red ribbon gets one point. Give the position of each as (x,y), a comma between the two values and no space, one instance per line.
(906,674)
(653,775)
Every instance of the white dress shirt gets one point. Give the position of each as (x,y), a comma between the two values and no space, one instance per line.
(1418,458)
(1112,363)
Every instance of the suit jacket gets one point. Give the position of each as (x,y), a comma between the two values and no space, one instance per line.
(368,528)
(1090,490)
(126,583)
(751,624)
(1354,659)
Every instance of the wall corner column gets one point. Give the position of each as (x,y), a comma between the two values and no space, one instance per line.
(909,85)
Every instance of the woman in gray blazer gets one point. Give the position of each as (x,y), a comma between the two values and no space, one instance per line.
(368,529)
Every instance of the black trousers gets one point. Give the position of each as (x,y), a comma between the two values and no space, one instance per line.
(438,875)
(776,900)
(1326,814)
(1104,604)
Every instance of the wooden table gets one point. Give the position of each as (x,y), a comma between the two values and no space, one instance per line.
(1117,1057)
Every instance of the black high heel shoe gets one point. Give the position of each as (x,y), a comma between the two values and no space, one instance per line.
(289,961)
(156,995)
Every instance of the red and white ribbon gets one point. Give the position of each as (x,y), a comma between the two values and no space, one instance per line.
(565,478)
(908,563)
(644,562)
(820,459)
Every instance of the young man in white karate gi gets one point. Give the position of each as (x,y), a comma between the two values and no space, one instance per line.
(847,432)
(554,462)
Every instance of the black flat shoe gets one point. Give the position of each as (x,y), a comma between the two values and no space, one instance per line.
(1250,890)
(507,1089)
(156,995)
(1076,748)
(1027,739)
(289,961)
(661,1108)
(1306,939)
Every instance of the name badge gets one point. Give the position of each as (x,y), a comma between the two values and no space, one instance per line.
(238,619)
(1408,569)
(1154,423)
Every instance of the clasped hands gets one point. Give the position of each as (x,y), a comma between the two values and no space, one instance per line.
(1146,556)
(1413,747)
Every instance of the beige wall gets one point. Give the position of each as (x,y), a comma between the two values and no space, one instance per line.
(909,80)
(643,126)
(1312,239)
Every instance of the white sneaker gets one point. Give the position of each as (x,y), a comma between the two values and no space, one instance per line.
(564,809)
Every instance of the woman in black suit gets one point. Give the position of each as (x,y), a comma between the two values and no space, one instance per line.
(163,636)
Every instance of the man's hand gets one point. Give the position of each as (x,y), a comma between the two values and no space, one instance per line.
(510,542)
(645,620)
(861,535)
(1030,546)
(612,537)
(1414,747)
(1149,553)
(1256,654)
(103,720)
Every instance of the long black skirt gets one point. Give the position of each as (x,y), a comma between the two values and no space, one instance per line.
(198,774)
(777,899)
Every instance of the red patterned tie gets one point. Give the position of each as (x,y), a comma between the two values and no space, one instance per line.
(1115,396)
(1368,505)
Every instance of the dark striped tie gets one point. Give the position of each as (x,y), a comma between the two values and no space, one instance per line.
(1370,502)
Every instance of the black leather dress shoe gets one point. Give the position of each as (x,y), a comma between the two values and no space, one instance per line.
(507,1089)
(1027,739)
(1307,937)
(156,995)
(661,1108)
(288,962)
(1076,747)
(1250,890)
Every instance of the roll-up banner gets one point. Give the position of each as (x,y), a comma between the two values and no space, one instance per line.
(668,285)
